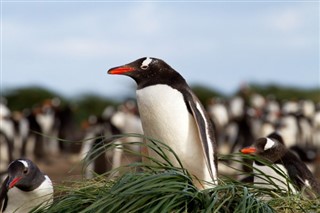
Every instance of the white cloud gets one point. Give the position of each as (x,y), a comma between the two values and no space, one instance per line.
(287,20)
(75,47)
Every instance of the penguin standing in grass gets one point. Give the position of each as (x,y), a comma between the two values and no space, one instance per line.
(171,113)
(273,150)
(25,188)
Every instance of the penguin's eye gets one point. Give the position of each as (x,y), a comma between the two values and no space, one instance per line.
(25,171)
(144,67)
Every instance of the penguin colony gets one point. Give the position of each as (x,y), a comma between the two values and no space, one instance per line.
(171,113)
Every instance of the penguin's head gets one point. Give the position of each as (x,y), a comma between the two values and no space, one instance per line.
(145,69)
(270,148)
(23,174)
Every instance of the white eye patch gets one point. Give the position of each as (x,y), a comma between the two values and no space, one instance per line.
(25,163)
(145,63)
(269,144)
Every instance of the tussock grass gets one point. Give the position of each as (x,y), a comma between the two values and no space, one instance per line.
(158,186)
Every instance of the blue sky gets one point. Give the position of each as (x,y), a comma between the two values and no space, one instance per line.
(68,46)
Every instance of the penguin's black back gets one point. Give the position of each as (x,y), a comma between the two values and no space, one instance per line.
(299,172)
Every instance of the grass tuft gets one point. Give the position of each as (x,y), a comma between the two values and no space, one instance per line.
(157,186)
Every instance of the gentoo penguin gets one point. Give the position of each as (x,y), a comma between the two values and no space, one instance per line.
(98,131)
(273,150)
(25,188)
(7,133)
(171,113)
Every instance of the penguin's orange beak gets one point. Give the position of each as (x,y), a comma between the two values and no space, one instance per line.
(120,70)
(248,150)
(13,182)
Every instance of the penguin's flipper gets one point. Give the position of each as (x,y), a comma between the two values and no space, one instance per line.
(206,134)
(3,195)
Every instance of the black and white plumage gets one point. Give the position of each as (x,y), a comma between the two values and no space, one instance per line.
(25,188)
(273,150)
(6,137)
(172,114)
(97,130)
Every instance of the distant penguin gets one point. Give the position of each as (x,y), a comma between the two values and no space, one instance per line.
(34,131)
(98,133)
(273,150)
(288,127)
(25,188)
(7,133)
(171,113)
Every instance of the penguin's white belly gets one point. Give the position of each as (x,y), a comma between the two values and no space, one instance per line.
(21,202)
(165,117)
(276,179)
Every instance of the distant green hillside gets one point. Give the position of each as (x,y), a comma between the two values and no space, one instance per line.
(92,104)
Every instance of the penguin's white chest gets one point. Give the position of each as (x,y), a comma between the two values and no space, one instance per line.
(20,201)
(278,177)
(165,117)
